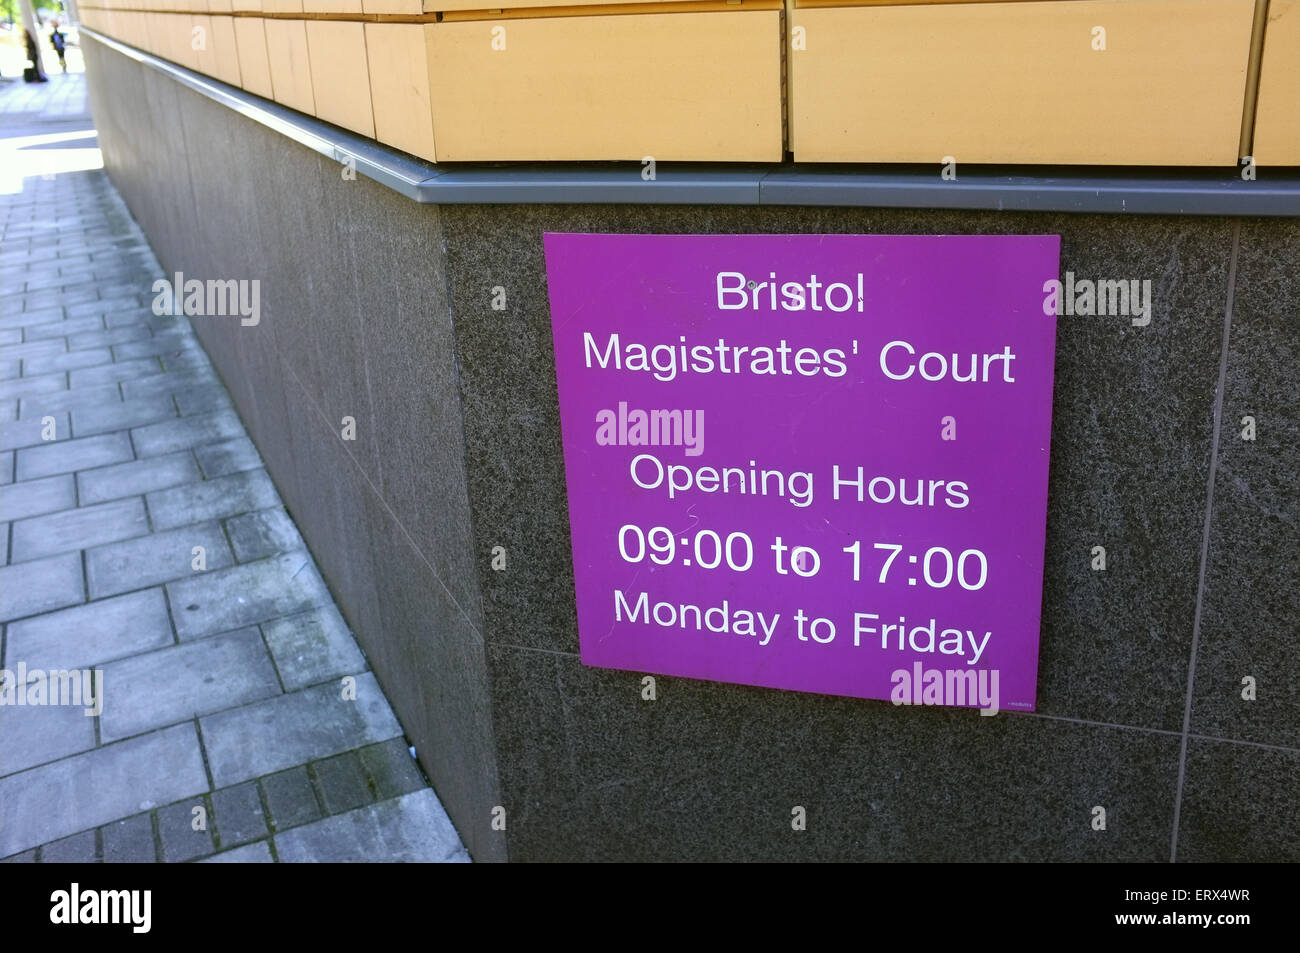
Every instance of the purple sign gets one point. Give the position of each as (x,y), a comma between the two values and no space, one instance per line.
(810,462)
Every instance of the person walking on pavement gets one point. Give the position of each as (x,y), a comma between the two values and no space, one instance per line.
(58,40)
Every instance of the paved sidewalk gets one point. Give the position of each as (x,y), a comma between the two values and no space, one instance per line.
(143,544)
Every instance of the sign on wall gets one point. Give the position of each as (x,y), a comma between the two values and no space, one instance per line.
(809,462)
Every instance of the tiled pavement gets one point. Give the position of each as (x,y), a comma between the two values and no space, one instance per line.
(141,537)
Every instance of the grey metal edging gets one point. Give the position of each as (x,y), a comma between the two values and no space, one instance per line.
(1180,193)
(1123,191)
(398,171)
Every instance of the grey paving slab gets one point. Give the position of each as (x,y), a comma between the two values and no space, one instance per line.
(136,315)
(181,681)
(122,302)
(239,815)
(130,413)
(108,337)
(137,477)
(40,585)
(313,646)
(185,432)
(91,789)
(118,371)
(71,530)
(228,456)
(36,734)
(410,829)
(160,345)
(185,830)
(68,456)
(247,594)
(262,533)
(10,368)
(202,399)
(77,849)
(59,329)
(342,783)
(160,557)
(173,382)
(192,359)
(302,726)
(9,352)
(34,432)
(258,853)
(91,634)
(26,857)
(26,386)
(22,319)
(212,499)
(34,497)
(129,841)
(66,361)
(291,798)
(391,768)
(30,408)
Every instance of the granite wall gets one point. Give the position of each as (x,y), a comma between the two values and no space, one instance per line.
(378,308)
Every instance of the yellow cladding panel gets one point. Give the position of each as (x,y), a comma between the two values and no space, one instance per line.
(399,86)
(219,6)
(246,5)
(1277,115)
(155,34)
(674,86)
(1022,83)
(178,29)
(254,67)
(282,6)
(446,6)
(408,7)
(226,49)
(331,6)
(203,44)
(339,79)
(286,49)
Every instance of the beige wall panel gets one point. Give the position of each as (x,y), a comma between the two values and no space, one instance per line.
(286,49)
(397,56)
(407,7)
(254,67)
(226,49)
(675,86)
(331,6)
(1020,82)
(446,6)
(339,78)
(205,57)
(1277,115)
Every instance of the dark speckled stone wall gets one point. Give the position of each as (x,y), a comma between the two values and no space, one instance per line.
(381,309)
(711,771)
